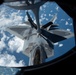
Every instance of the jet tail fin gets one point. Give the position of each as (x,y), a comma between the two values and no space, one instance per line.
(54,18)
(51,23)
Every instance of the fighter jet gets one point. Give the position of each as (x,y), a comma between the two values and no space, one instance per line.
(50,34)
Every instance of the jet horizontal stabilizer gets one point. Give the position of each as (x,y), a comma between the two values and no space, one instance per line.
(63,33)
(52,37)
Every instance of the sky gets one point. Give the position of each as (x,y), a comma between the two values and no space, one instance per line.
(11,46)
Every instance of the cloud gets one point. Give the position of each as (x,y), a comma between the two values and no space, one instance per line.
(60,45)
(26,18)
(41,8)
(10,60)
(57,8)
(51,11)
(15,44)
(69,18)
(66,23)
(68,29)
(62,20)
(50,15)
(4,36)
(44,6)
(2,45)
(71,24)
(7,19)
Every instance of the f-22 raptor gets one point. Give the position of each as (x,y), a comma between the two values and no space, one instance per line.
(51,34)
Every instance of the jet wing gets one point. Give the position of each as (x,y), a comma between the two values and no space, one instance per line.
(19,31)
(63,33)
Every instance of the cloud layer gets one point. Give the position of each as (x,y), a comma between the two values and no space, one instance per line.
(10,60)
